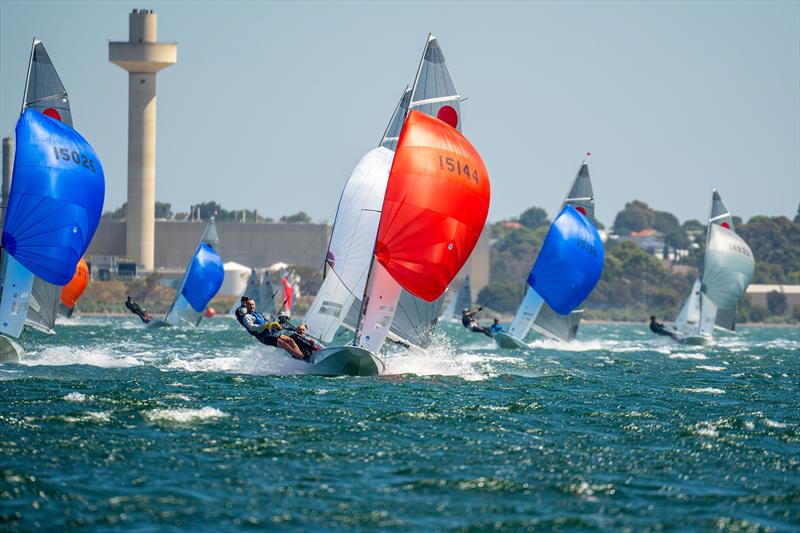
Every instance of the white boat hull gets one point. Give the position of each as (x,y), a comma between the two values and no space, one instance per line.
(346,361)
(504,340)
(10,351)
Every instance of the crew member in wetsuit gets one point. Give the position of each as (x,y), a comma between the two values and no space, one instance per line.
(307,345)
(469,322)
(257,326)
(241,310)
(134,308)
(659,328)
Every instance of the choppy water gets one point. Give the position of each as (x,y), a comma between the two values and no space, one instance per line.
(112,426)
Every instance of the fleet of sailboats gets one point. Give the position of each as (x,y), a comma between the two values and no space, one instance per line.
(407,220)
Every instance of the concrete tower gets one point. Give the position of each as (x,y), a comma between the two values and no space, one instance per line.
(142,56)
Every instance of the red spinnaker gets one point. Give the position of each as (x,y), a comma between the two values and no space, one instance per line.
(73,290)
(435,206)
(287,295)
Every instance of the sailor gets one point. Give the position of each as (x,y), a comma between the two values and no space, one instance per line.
(306,344)
(496,327)
(469,322)
(268,334)
(659,328)
(134,308)
(241,310)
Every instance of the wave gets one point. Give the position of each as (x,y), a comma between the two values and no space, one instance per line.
(184,415)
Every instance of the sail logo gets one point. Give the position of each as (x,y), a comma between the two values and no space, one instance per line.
(740,249)
(64,154)
(455,166)
(586,245)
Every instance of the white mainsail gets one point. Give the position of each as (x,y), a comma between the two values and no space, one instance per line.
(461,300)
(352,240)
(727,270)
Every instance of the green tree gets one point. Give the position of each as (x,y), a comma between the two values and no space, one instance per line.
(534,217)
(503,296)
(636,216)
(163,210)
(120,213)
(297,218)
(776,302)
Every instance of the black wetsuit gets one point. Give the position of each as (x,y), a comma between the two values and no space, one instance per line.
(659,329)
(468,322)
(306,345)
(134,308)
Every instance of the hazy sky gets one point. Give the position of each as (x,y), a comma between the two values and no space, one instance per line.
(272,104)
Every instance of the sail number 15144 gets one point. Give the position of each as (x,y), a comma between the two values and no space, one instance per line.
(457,167)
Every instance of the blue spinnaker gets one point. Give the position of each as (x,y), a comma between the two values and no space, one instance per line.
(570,262)
(56,198)
(204,277)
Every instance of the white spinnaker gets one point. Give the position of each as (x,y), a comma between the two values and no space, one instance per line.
(352,243)
(728,267)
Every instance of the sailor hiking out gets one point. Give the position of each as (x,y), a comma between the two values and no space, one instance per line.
(268,333)
(134,308)
(469,322)
(659,329)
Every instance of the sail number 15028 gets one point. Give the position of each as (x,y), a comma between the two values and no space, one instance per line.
(74,156)
(457,167)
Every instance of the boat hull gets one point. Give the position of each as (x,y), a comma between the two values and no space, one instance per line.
(158,324)
(504,340)
(346,361)
(10,351)
(696,340)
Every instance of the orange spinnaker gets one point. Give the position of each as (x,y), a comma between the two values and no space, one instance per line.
(435,206)
(73,290)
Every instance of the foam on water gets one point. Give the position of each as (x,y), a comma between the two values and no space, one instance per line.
(184,415)
(102,356)
(75,397)
(702,390)
(688,356)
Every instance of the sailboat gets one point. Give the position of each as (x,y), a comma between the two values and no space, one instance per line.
(565,272)
(461,300)
(54,205)
(356,223)
(259,288)
(74,289)
(727,271)
(434,209)
(200,283)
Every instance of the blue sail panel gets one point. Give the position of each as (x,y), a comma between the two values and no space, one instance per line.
(56,198)
(204,277)
(570,262)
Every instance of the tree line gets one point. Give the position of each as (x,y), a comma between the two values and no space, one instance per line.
(206,210)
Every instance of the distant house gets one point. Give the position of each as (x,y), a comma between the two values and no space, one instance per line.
(652,242)
(510,224)
(758,294)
